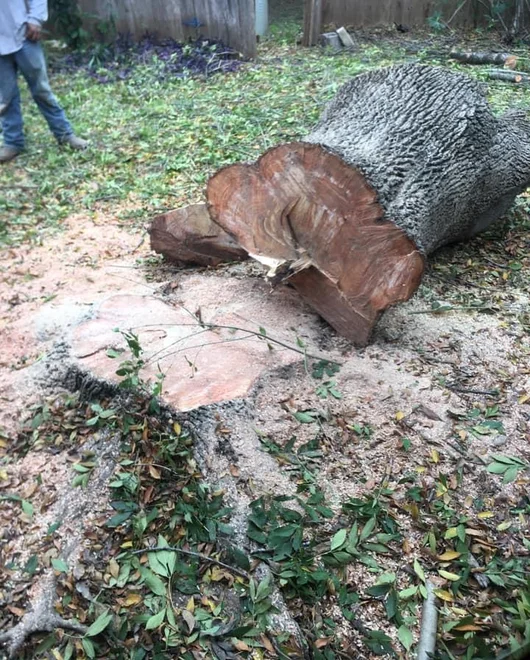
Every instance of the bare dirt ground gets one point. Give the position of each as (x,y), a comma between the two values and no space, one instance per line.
(413,403)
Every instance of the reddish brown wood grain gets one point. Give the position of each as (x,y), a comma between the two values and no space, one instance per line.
(304,206)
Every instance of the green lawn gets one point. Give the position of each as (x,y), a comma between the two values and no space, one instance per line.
(154,143)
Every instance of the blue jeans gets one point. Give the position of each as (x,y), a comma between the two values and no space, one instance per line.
(29,60)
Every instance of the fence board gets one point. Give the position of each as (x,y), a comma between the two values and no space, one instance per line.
(232,21)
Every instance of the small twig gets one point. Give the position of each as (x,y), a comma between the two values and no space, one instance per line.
(462,4)
(255,333)
(196,555)
(157,465)
(494,263)
(463,390)
(139,244)
(429,625)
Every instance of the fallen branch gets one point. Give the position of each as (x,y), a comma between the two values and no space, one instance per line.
(429,624)
(232,328)
(195,555)
(41,618)
(478,57)
(509,76)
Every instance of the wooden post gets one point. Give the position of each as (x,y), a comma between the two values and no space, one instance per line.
(312,22)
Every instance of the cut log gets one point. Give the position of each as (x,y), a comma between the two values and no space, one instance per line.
(188,236)
(315,220)
(509,76)
(403,160)
(509,61)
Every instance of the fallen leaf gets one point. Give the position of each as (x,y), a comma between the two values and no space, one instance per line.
(268,645)
(189,619)
(444,595)
(323,641)
(114,568)
(132,599)
(449,555)
(154,472)
(453,577)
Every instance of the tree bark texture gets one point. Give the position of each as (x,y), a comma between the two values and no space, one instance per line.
(444,167)
(403,160)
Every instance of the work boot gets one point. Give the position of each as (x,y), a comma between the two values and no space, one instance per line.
(75,142)
(7,153)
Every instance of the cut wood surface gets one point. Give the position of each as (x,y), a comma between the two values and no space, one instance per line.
(188,236)
(403,160)
(316,221)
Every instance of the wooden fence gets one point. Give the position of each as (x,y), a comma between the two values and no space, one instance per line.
(232,21)
(366,13)
(370,13)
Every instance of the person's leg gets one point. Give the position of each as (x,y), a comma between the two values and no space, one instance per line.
(30,60)
(12,125)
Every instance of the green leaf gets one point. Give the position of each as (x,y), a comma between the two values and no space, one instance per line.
(153,582)
(60,565)
(239,558)
(99,625)
(508,460)
(305,417)
(497,468)
(53,528)
(156,620)
(386,578)
(405,637)
(88,648)
(419,570)
(510,474)
(368,528)
(78,467)
(408,592)
(31,565)
(378,590)
(27,507)
(68,651)
(338,539)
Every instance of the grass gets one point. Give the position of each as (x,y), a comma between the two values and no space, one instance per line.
(155,142)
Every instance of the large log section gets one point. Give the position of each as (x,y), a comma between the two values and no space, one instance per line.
(403,160)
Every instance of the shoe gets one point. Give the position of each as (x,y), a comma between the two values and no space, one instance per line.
(7,153)
(75,142)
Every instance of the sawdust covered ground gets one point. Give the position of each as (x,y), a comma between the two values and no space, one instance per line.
(413,403)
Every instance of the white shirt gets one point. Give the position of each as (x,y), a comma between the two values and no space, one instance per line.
(14,15)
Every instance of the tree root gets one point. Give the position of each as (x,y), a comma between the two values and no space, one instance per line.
(41,618)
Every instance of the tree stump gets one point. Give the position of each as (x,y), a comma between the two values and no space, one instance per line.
(403,160)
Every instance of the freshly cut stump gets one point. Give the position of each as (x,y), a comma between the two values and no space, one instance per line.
(316,220)
(403,160)
(188,236)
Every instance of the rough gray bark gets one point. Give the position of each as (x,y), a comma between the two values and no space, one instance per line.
(443,165)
